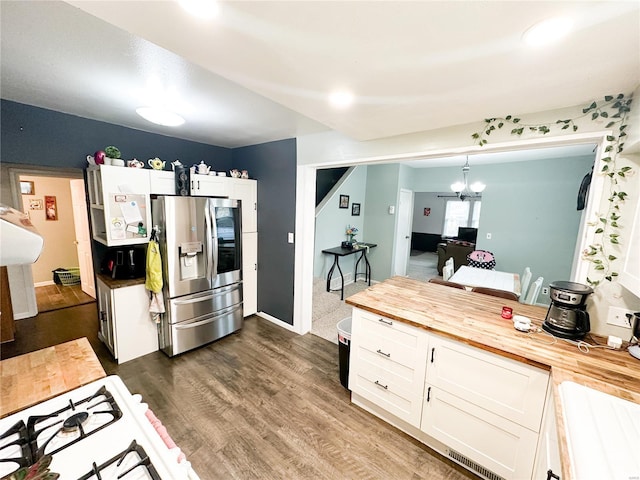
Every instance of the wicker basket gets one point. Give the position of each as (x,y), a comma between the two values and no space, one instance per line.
(69,276)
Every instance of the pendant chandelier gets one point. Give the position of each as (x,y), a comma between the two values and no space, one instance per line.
(463,189)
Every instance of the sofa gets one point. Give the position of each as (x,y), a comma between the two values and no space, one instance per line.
(456,249)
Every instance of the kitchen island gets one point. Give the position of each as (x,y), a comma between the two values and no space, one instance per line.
(455,318)
(37,376)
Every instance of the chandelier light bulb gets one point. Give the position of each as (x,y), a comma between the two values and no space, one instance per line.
(457,187)
(477,187)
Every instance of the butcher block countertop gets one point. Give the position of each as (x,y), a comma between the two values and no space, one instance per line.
(474,319)
(34,377)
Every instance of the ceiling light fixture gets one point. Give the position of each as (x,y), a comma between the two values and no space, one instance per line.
(160,116)
(547,32)
(463,189)
(204,9)
(341,99)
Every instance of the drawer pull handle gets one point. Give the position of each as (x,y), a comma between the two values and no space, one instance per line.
(381,385)
(385,321)
(433,349)
(388,355)
(428,394)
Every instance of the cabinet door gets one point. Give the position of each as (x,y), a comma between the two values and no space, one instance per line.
(162,183)
(116,215)
(387,364)
(247,191)
(209,185)
(105,317)
(136,332)
(477,438)
(250,273)
(548,455)
(511,389)
(630,275)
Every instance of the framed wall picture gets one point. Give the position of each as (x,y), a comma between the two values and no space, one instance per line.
(27,187)
(344,201)
(51,208)
(355,209)
(35,204)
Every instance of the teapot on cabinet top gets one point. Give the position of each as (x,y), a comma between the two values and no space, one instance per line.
(203,168)
(156,163)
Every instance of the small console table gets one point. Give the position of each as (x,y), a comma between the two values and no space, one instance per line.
(338,252)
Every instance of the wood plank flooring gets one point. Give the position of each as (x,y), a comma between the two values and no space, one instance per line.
(267,403)
(53,297)
(264,403)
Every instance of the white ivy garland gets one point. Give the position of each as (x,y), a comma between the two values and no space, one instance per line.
(616,110)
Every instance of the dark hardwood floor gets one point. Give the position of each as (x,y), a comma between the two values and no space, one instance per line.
(262,403)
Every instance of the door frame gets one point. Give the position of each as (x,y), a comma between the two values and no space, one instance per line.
(22,274)
(305,206)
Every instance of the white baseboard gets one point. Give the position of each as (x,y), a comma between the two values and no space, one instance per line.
(277,321)
(44,284)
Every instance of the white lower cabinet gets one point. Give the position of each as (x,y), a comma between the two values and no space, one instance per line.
(480,409)
(387,364)
(126,327)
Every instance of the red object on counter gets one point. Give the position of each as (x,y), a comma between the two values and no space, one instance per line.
(507,312)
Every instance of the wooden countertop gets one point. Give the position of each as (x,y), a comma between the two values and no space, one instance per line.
(474,319)
(111,283)
(34,377)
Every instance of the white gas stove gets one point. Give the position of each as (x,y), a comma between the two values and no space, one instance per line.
(97,431)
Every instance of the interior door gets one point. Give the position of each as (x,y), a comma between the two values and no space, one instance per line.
(83,242)
(403,232)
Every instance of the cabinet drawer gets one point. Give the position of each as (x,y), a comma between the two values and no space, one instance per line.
(493,442)
(377,327)
(503,386)
(384,390)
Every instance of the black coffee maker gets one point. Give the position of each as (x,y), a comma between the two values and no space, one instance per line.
(567,316)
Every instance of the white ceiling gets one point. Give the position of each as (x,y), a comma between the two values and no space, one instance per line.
(262,70)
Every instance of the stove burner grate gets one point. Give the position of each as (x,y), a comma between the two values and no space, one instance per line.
(136,458)
(71,422)
(16,453)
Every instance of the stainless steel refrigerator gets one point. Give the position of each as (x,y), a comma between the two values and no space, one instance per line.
(200,244)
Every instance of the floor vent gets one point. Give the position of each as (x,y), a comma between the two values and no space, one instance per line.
(486,473)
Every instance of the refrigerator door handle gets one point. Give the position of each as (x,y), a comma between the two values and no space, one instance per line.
(199,298)
(214,238)
(208,318)
(208,241)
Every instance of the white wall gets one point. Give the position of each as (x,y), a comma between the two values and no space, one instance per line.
(435,220)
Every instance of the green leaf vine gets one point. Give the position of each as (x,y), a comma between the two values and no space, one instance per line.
(616,110)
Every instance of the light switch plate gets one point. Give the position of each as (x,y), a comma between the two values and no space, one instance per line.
(290,237)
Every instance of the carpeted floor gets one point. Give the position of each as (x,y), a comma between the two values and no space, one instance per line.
(328,309)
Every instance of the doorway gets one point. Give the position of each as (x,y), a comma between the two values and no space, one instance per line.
(62,277)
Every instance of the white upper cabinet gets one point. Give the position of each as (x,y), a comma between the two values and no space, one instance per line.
(630,275)
(119,205)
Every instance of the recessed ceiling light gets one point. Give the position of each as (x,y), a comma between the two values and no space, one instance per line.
(160,116)
(341,99)
(204,9)
(547,31)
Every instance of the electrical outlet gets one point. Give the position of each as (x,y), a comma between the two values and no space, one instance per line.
(618,316)
(290,237)
(545,290)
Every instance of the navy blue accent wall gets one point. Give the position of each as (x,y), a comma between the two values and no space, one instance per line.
(273,164)
(37,136)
